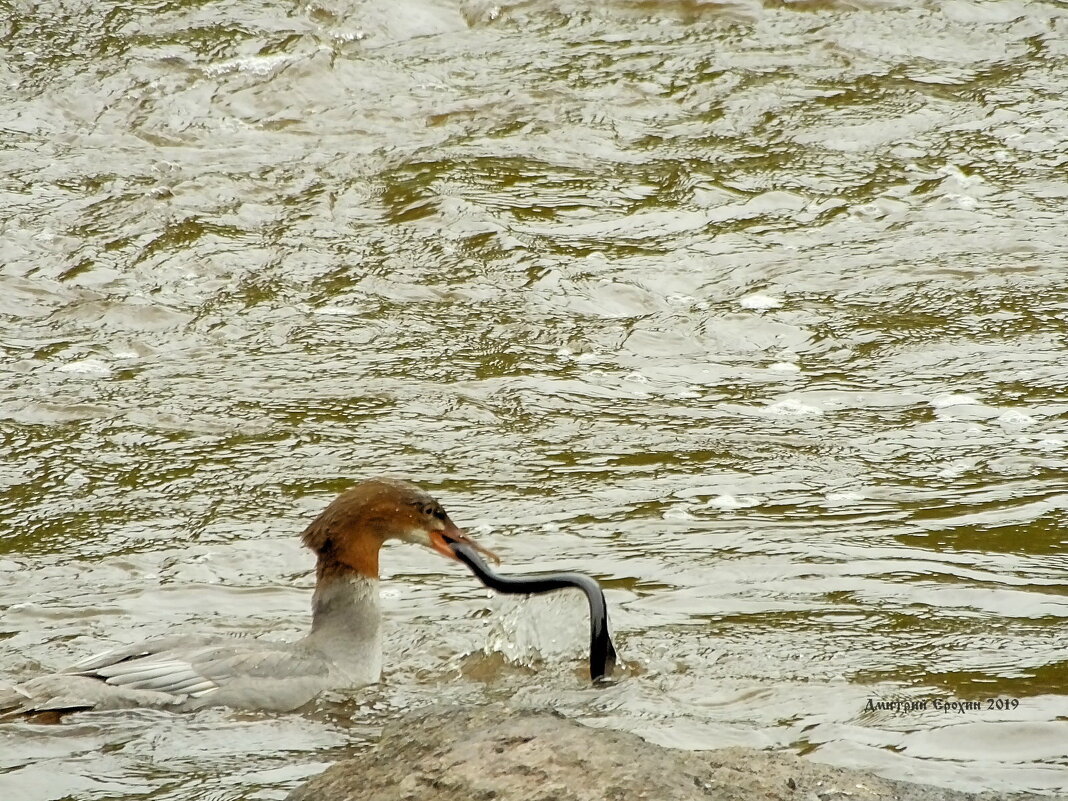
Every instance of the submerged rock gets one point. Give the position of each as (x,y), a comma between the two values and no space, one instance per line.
(493,752)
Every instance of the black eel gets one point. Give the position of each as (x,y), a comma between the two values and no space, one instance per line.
(602,651)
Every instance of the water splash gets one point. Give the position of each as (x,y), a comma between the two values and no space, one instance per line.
(532,630)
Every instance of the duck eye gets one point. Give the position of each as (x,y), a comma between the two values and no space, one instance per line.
(433,510)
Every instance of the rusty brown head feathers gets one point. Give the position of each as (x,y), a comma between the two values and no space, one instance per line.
(348,534)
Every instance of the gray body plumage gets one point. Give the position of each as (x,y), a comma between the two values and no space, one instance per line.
(189,672)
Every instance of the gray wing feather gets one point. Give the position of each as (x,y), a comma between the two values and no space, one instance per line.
(156,645)
(199,671)
(182,672)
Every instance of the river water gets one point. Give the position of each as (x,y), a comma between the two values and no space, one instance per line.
(755,311)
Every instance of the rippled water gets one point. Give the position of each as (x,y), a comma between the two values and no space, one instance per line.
(757,312)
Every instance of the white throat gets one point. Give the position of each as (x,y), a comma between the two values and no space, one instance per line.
(347,626)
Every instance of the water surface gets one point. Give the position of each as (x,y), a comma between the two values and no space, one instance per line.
(755,311)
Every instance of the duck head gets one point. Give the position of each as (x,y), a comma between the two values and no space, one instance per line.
(349,533)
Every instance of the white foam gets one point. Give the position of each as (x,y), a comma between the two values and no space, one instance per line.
(725,502)
(255,65)
(953,471)
(1015,418)
(759,302)
(93,368)
(677,513)
(335,311)
(966,202)
(958,175)
(793,408)
(943,401)
(871,211)
(846,496)
(76,478)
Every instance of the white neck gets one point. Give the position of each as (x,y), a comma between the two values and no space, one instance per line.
(347,625)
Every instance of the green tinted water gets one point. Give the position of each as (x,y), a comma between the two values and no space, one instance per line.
(754,311)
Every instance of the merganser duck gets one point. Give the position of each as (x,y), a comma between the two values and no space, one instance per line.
(343,649)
